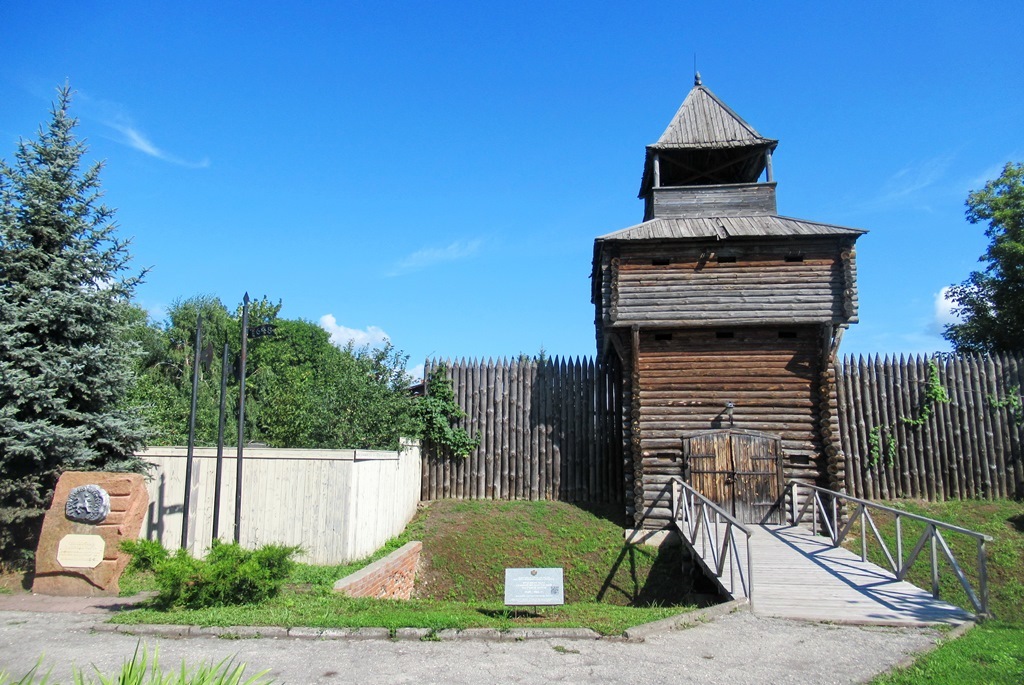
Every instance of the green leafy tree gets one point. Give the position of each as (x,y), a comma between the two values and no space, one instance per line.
(164,388)
(301,390)
(990,303)
(65,358)
(306,392)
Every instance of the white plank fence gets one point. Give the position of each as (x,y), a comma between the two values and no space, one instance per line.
(338,505)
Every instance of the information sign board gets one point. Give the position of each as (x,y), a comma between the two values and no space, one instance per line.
(534,587)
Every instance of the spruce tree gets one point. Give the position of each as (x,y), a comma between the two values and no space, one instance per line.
(65,361)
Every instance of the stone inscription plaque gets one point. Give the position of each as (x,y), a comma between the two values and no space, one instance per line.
(534,587)
(80,551)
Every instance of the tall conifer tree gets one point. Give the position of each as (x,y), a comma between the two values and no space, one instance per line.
(65,363)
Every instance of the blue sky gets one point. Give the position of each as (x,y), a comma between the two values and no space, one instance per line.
(437,172)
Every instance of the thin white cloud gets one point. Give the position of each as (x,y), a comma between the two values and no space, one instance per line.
(137,140)
(429,256)
(910,181)
(115,116)
(342,335)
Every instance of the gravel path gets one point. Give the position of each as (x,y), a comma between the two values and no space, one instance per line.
(735,649)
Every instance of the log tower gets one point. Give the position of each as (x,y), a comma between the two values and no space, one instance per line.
(723,320)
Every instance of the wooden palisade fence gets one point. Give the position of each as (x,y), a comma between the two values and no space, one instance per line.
(899,442)
(552,429)
(547,430)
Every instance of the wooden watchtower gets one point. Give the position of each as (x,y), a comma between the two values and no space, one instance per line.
(724,319)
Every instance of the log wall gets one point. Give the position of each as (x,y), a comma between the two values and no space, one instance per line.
(969,447)
(710,284)
(686,379)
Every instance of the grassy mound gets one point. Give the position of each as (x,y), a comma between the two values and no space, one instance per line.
(467,545)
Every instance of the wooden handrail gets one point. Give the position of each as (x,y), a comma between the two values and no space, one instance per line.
(692,516)
(825,520)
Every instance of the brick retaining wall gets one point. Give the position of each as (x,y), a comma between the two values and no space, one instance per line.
(389,578)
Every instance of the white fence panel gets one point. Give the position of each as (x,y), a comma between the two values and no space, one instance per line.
(338,505)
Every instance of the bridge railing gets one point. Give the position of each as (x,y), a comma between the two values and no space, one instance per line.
(824,507)
(714,534)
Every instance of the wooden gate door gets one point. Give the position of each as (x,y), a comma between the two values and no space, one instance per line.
(741,471)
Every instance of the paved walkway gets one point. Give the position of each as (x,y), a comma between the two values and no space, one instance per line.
(735,649)
(799,575)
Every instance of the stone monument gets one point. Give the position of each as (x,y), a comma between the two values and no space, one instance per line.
(79,551)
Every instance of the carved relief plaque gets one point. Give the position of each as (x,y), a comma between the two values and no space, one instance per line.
(87,504)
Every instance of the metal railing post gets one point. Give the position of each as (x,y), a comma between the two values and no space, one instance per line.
(750,575)
(835,522)
(814,513)
(899,542)
(863,535)
(792,503)
(982,577)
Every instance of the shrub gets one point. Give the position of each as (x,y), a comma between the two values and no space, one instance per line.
(228,575)
(146,554)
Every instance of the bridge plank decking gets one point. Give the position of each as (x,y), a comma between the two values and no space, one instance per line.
(798,575)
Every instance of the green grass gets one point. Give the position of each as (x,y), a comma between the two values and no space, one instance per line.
(336,611)
(992,652)
(609,586)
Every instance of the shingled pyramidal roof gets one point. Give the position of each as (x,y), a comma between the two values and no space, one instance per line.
(704,121)
(701,179)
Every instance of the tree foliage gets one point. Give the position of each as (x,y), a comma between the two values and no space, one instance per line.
(163,390)
(65,356)
(990,303)
(301,390)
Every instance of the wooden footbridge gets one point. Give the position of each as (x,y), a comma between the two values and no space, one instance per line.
(787,569)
